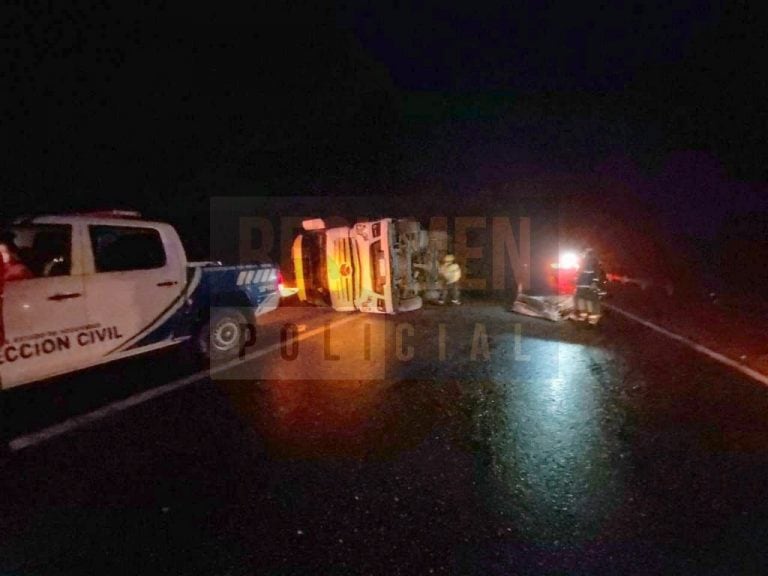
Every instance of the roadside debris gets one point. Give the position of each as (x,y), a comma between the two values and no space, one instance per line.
(554,308)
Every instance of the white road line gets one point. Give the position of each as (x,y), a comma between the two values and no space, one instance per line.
(746,370)
(83,420)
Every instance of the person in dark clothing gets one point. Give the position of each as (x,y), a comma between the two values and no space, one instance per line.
(591,265)
(588,288)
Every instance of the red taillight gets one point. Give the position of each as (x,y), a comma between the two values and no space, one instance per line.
(279,280)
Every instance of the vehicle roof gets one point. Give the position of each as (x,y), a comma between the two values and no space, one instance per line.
(89,219)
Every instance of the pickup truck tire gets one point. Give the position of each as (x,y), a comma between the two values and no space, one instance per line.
(222,336)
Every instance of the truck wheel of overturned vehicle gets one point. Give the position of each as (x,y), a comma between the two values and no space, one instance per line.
(406,226)
(222,336)
(409,304)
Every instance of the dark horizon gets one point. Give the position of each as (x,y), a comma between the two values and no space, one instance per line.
(154,108)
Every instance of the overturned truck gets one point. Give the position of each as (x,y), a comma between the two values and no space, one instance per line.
(385,266)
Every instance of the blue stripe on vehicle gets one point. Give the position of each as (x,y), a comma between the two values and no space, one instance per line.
(162,320)
(163,326)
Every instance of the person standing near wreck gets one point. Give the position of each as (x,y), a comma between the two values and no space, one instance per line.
(591,265)
(450,274)
(587,295)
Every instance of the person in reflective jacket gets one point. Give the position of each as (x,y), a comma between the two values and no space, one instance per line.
(591,265)
(587,295)
(450,273)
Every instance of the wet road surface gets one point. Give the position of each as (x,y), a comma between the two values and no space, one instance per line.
(447,441)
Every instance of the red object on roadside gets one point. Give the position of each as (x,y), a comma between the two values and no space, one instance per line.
(2,292)
(565,272)
(563,280)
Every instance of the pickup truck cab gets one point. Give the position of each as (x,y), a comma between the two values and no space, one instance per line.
(105,286)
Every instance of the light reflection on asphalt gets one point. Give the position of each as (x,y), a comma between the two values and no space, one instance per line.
(557,461)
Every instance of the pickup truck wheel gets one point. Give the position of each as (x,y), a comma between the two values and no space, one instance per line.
(223,335)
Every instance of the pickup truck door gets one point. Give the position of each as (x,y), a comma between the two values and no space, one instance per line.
(136,284)
(42,316)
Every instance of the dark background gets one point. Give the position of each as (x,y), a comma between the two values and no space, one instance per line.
(654,110)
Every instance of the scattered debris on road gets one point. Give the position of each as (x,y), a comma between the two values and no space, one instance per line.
(554,308)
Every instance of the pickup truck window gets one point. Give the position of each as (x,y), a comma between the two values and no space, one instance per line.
(122,248)
(44,249)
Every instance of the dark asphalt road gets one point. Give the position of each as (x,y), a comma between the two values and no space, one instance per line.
(564,450)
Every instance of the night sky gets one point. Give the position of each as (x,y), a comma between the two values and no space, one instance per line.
(157,105)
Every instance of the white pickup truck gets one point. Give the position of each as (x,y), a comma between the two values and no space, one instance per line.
(105,286)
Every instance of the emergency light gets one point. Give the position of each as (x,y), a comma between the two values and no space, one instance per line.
(567,261)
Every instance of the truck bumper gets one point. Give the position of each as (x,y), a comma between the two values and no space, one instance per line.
(269,304)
